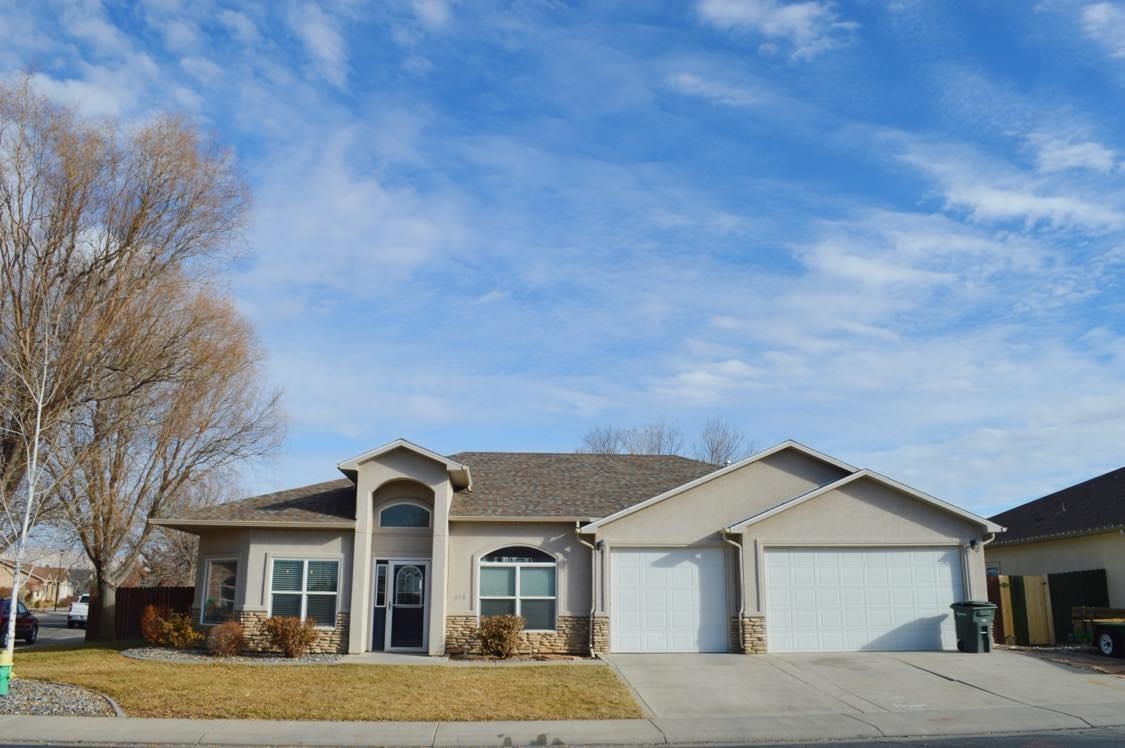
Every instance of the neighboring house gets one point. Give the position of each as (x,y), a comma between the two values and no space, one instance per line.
(38,583)
(1075,529)
(787,550)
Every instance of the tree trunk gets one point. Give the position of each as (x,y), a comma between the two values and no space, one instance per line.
(107,611)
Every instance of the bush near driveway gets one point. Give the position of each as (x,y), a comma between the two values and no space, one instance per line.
(423,693)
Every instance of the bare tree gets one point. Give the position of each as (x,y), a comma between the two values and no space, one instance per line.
(132,458)
(90,215)
(658,438)
(170,557)
(603,440)
(719,443)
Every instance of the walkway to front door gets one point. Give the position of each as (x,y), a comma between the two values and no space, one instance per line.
(401,593)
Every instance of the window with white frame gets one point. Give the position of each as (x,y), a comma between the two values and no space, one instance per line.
(218,590)
(519,581)
(305,589)
(404,515)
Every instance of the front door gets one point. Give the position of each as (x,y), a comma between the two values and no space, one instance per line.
(406,609)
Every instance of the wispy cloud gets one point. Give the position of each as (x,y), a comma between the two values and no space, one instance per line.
(990,191)
(1056,154)
(808,28)
(434,14)
(321,36)
(1104,23)
(690,84)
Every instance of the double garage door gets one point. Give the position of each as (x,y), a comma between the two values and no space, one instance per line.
(817,599)
(855,599)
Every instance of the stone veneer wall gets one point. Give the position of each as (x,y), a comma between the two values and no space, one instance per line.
(754,634)
(571,636)
(328,641)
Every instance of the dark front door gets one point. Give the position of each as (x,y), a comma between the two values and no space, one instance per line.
(408,606)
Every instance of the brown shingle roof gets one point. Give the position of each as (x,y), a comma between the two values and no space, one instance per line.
(505,484)
(531,484)
(329,502)
(1092,505)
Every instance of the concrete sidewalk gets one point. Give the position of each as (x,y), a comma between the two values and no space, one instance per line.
(655,731)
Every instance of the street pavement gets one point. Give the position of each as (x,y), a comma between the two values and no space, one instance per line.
(718,699)
(53,630)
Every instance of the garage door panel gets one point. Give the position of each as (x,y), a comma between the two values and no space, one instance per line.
(679,596)
(861,598)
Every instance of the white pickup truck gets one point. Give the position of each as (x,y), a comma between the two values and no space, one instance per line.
(76,616)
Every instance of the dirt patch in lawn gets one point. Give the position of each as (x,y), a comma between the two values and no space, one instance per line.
(145,688)
(1075,655)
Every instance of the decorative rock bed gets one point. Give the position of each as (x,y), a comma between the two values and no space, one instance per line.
(202,656)
(37,698)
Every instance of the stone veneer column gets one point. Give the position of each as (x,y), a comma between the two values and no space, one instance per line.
(601,633)
(754,634)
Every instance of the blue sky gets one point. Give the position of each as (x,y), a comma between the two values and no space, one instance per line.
(892,231)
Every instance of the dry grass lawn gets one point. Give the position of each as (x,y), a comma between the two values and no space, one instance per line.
(336,692)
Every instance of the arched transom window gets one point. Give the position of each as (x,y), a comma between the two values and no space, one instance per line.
(519,581)
(404,515)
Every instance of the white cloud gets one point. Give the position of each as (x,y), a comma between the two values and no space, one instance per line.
(100,91)
(690,84)
(1105,24)
(322,40)
(239,25)
(201,68)
(990,191)
(1056,154)
(811,28)
(88,23)
(433,14)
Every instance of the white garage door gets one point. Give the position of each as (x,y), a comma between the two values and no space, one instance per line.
(852,599)
(668,600)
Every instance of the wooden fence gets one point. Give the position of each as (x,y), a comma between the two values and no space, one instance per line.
(131,602)
(1036,610)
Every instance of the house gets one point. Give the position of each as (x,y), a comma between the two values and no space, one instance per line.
(1076,529)
(787,550)
(39,584)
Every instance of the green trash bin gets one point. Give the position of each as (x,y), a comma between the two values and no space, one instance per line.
(974,625)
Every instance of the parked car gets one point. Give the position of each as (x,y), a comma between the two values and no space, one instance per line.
(27,625)
(76,616)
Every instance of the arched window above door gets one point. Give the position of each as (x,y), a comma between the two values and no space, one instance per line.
(404,515)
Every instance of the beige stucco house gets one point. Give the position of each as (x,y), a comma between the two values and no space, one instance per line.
(1076,529)
(787,550)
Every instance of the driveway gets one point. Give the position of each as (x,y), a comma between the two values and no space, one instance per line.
(952,692)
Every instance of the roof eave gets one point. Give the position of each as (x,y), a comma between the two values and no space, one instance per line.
(1085,532)
(185,524)
(517,518)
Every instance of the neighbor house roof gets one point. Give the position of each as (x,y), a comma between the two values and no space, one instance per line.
(512,485)
(1091,506)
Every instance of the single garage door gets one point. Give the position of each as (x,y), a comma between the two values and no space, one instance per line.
(668,600)
(853,599)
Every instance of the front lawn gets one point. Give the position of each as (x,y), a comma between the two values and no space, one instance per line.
(419,693)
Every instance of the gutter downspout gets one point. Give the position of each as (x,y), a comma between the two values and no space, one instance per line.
(723,533)
(593,586)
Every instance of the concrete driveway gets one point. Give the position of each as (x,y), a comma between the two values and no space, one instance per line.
(894,693)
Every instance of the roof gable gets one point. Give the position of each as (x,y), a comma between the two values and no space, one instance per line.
(913,493)
(1087,507)
(458,473)
(789,444)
